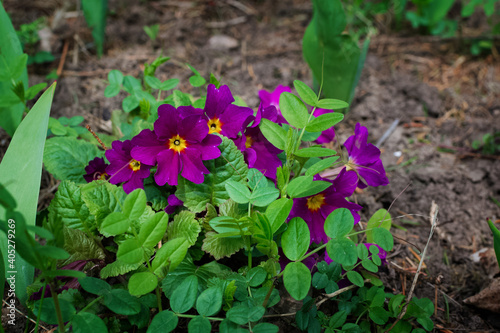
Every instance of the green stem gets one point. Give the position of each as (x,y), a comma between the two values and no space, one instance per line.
(40,308)
(158,298)
(361,315)
(88,306)
(264,304)
(193,316)
(313,252)
(57,307)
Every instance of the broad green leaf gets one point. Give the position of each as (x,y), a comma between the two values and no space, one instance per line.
(362,251)
(297,280)
(80,246)
(197,81)
(130,252)
(153,230)
(380,219)
(230,166)
(334,57)
(21,173)
(332,104)
(277,212)
(85,322)
(186,226)
(114,224)
(273,132)
(67,157)
(11,49)
(199,324)
(315,152)
(184,296)
(112,90)
(304,186)
(368,264)
(257,180)
(94,286)
(342,251)
(383,238)
(496,239)
(221,247)
(153,82)
(339,223)
(130,103)
(256,276)
(296,239)
(242,313)
(263,196)
(51,252)
(338,319)
(115,77)
(102,198)
(13,70)
(170,255)
(117,268)
(135,204)
(355,278)
(95,12)
(165,321)
(294,110)
(169,84)
(321,165)
(68,205)
(142,283)
(324,122)
(48,310)
(121,302)
(265,328)
(306,93)
(209,302)
(238,192)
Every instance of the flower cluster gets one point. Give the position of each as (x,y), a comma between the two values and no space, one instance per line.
(183,137)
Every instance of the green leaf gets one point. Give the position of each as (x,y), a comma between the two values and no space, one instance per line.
(69,206)
(48,310)
(342,251)
(102,198)
(426,323)
(153,230)
(117,268)
(265,328)
(94,286)
(197,81)
(306,93)
(238,314)
(169,84)
(496,239)
(142,283)
(383,238)
(209,302)
(238,192)
(115,77)
(34,90)
(112,90)
(380,219)
(213,190)
(130,252)
(121,302)
(256,276)
(153,82)
(378,315)
(263,196)
(338,319)
(332,104)
(184,296)
(297,280)
(52,252)
(21,172)
(85,322)
(315,152)
(135,204)
(130,103)
(339,223)
(277,212)
(273,132)
(80,246)
(67,157)
(165,321)
(11,49)
(362,252)
(296,239)
(186,226)
(95,12)
(324,122)
(355,278)
(321,165)
(114,224)
(294,111)
(170,255)
(221,247)
(199,324)
(304,186)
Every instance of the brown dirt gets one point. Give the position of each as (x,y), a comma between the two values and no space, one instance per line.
(441,98)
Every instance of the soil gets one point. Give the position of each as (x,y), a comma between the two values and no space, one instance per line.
(443,99)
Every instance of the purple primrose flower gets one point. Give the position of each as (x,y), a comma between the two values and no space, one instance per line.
(96,169)
(125,169)
(173,203)
(223,117)
(179,144)
(273,98)
(316,208)
(364,158)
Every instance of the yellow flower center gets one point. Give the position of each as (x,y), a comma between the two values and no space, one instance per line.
(134,165)
(102,176)
(214,125)
(314,203)
(248,142)
(177,143)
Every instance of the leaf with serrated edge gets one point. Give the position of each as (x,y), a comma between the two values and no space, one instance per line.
(221,247)
(186,226)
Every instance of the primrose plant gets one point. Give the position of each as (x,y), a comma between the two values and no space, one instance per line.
(200,212)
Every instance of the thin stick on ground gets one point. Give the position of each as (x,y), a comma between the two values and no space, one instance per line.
(338,292)
(433,214)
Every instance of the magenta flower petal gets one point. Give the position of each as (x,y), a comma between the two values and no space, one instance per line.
(147,147)
(217,100)
(208,147)
(364,157)
(173,203)
(193,168)
(273,98)
(169,166)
